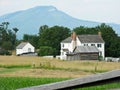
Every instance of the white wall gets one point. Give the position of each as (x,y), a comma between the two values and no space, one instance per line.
(102,49)
(18,51)
(63,53)
(25,49)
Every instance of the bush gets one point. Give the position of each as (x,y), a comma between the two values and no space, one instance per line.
(100,58)
(5,52)
(46,50)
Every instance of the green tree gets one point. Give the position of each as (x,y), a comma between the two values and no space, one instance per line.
(15,30)
(42,29)
(111,40)
(85,30)
(53,36)
(33,39)
(5,25)
(7,38)
(7,45)
(45,50)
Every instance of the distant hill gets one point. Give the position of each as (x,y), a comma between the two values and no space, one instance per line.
(28,21)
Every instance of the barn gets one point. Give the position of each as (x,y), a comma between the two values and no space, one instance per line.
(24,47)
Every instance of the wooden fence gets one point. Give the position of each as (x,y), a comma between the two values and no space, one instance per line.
(92,80)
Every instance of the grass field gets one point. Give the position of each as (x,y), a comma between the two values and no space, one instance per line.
(111,86)
(45,67)
(13,83)
(38,67)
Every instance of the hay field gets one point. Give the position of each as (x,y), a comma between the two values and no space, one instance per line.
(47,67)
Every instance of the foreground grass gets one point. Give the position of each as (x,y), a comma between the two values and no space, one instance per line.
(13,83)
(102,87)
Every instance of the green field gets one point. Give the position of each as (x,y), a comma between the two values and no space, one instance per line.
(13,83)
(18,72)
(102,87)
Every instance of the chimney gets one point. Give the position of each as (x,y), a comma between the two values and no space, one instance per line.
(99,33)
(74,42)
(73,36)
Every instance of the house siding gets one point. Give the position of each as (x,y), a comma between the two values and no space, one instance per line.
(26,49)
(18,51)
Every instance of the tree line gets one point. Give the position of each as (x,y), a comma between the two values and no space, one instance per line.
(7,38)
(47,41)
(49,38)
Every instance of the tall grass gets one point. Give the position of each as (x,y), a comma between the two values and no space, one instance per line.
(82,65)
(15,66)
(78,68)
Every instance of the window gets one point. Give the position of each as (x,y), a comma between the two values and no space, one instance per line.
(29,49)
(62,45)
(85,44)
(99,45)
(92,44)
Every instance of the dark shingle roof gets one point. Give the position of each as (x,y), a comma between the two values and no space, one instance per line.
(86,49)
(90,39)
(86,39)
(21,45)
(67,40)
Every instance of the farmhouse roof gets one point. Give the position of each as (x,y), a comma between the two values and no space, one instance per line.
(21,45)
(67,40)
(90,39)
(86,39)
(86,49)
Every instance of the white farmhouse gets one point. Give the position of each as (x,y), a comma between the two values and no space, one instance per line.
(83,47)
(24,47)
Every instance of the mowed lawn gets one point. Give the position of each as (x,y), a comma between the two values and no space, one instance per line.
(24,66)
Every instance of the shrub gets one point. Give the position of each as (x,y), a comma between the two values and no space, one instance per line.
(100,58)
(4,52)
(45,50)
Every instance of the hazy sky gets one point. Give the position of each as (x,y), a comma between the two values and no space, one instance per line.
(94,10)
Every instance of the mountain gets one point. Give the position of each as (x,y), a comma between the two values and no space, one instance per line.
(28,21)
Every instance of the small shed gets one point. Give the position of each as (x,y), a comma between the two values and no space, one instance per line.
(84,53)
(24,47)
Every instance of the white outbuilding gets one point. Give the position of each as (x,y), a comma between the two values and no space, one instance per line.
(24,48)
